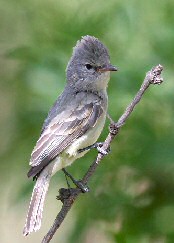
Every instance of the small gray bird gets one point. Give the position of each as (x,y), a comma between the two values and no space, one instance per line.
(74,122)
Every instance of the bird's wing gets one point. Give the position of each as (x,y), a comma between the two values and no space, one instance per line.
(60,133)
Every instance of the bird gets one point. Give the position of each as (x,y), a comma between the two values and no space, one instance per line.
(74,122)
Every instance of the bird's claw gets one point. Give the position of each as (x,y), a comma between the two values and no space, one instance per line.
(97,146)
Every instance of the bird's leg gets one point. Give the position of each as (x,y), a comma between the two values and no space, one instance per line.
(66,177)
(110,119)
(79,184)
(97,146)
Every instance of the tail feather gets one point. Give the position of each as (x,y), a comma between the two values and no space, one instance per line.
(34,216)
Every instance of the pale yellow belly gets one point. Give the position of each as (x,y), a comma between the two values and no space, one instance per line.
(71,153)
(87,139)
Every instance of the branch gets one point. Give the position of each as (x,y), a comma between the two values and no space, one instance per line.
(68,196)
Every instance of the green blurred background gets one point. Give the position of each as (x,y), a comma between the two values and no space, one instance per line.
(132,193)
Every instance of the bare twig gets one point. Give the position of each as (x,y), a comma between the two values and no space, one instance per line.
(68,196)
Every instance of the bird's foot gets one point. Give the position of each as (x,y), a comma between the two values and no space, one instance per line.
(84,188)
(97,146)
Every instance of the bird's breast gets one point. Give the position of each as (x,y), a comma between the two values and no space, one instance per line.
(89,138)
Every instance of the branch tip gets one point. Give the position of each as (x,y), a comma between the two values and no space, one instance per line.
(155,75)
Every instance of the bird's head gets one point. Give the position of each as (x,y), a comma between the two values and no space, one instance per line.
(89,67)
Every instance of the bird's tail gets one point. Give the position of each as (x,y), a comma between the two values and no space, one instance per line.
(34,216)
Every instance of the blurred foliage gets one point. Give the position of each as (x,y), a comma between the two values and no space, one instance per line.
(131,197)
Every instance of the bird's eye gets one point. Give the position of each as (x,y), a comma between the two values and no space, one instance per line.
(88,66)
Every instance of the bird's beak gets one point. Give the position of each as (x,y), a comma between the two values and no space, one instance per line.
(108,67)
